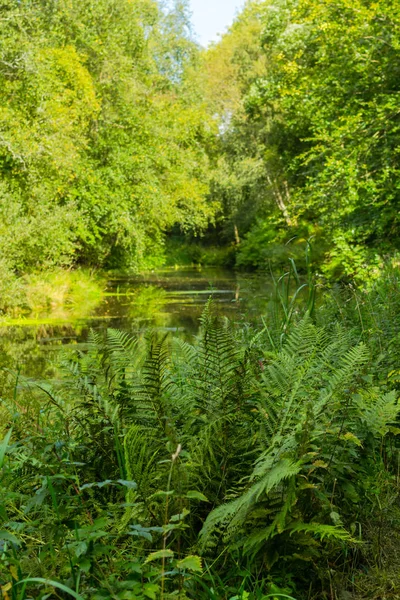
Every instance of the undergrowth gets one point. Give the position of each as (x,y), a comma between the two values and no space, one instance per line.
(251,464)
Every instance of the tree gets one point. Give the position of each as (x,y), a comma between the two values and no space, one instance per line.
(101,141)
(228,69)
(312,140)
(329,105)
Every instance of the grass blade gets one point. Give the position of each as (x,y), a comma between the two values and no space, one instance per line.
(55,584)
(3,447)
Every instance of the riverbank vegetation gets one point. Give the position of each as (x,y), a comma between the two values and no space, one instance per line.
(311,141)
(260,461)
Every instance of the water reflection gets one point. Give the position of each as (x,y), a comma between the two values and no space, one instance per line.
(170,300)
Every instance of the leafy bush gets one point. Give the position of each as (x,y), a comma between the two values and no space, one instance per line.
(179,252)
(270,243)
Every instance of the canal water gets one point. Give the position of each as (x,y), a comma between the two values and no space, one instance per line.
(167,300)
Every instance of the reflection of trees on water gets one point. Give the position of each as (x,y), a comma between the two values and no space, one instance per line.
(169,301)
(34,350)
(148,304)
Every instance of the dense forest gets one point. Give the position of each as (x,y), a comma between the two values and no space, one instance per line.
(259,459)
(118,132)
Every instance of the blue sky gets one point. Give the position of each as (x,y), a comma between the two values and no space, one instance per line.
(211,17)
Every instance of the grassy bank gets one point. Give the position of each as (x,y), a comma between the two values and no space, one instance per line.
(65,294)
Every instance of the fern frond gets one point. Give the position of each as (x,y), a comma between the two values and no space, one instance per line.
(322,531)
(379,412)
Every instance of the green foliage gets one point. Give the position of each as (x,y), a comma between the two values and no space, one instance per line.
(66,294)
(101,135)
(371,313)
(116,130)
(160,469)
(303,399)
(181,252)
(312,140)
(251,463)
(11,289)
(238,177)
(268,244)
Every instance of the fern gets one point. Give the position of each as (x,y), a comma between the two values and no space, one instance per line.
(264,440)
(303,400)
(322,531)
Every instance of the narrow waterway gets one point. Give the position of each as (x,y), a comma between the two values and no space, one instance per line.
(168,300)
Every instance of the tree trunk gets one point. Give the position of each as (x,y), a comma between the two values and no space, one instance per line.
(236,231)
(280,200)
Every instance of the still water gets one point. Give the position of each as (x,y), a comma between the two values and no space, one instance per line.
(168,300)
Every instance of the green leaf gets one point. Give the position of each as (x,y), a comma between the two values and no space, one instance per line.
(322,531)
(180,516)
(352,438)
(162,494)
(278,596)
(81,548)
(141,532)
(159,554)
(84,564)
(193,495)
(129,484)
(190,563)
(150,590)
(98,484)
(9,537)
